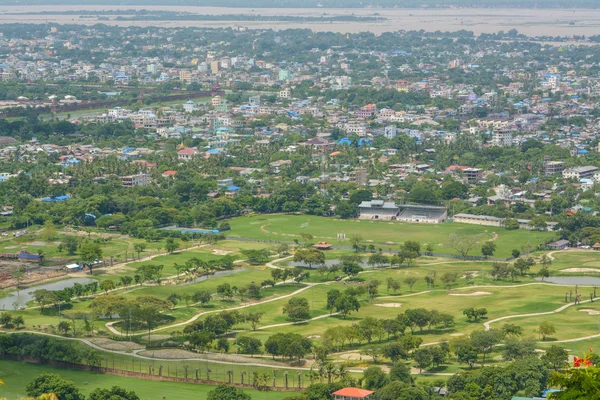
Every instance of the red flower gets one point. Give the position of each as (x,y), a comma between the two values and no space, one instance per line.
(581,362)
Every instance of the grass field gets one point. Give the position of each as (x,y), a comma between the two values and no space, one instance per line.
(16,375)
(385,234)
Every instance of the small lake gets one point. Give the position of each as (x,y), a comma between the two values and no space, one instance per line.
(215,275)
(572,280)
(26,295)
(329,263)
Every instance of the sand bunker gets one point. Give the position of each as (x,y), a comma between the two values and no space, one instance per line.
(473,274)
(314,336)
(456,334)
(218,252)
(590,311)
(580,270)
(389,305)
(471,294)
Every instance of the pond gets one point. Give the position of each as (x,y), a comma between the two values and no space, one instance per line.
(26,295)
(329,263)
(215,275)
(572,280)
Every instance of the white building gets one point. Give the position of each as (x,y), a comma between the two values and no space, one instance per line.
(390,131)
(502,138)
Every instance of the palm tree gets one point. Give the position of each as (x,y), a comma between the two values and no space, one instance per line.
(342,372)
(330,370)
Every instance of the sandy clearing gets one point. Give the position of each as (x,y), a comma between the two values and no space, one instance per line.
(218,252)
(473,274)
(389,305)
(471,294)
(580,270)
(590,311)
(457,334)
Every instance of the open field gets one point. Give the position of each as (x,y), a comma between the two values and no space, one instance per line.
(532,22)
(384,234)
(16,375)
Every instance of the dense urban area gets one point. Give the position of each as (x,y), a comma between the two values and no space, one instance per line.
(234,213)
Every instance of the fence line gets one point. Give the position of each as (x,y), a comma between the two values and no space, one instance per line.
(153,370)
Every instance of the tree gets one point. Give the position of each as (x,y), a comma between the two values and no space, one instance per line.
(374,378)
(224,392)
(18,274)
(417,317)
(18,321)
(346,303)
(114,393)
(515,349)
(410,281)
(139,247)
(224,290)
(70,243)
(511,224)
(484,341)
(149,272)
(463,243)
(309,256)
(254,318)
(546,329)
(249,345)
(556,356)
(126,280)
(488,249)
(297,309)
(202,297)
(465,351)
(449,279)
(53,383)
(423,358)
(90,254)
(5,319)
(393,284)
(524,264)
(516,253)
(509,330)
(345,209)
(48,232)
(148,310)
(171,245)
(401,372)
(356,241)
(107,285)
(332,297)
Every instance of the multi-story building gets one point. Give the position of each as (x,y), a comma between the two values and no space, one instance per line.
(502,138)
(580,172)
(130,181)
(473,174)
(390,131)
(553,167)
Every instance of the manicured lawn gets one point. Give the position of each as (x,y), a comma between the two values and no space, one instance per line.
(385,234)
(16,375)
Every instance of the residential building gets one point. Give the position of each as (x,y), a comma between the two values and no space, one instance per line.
(473,174)
(553,167)
(580,172)
(502,138)
(390,131)
(130,181)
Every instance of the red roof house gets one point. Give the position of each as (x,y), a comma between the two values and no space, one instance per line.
(351,393)
(169,173)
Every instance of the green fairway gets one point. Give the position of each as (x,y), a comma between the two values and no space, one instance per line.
(16,375)
(385,234)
